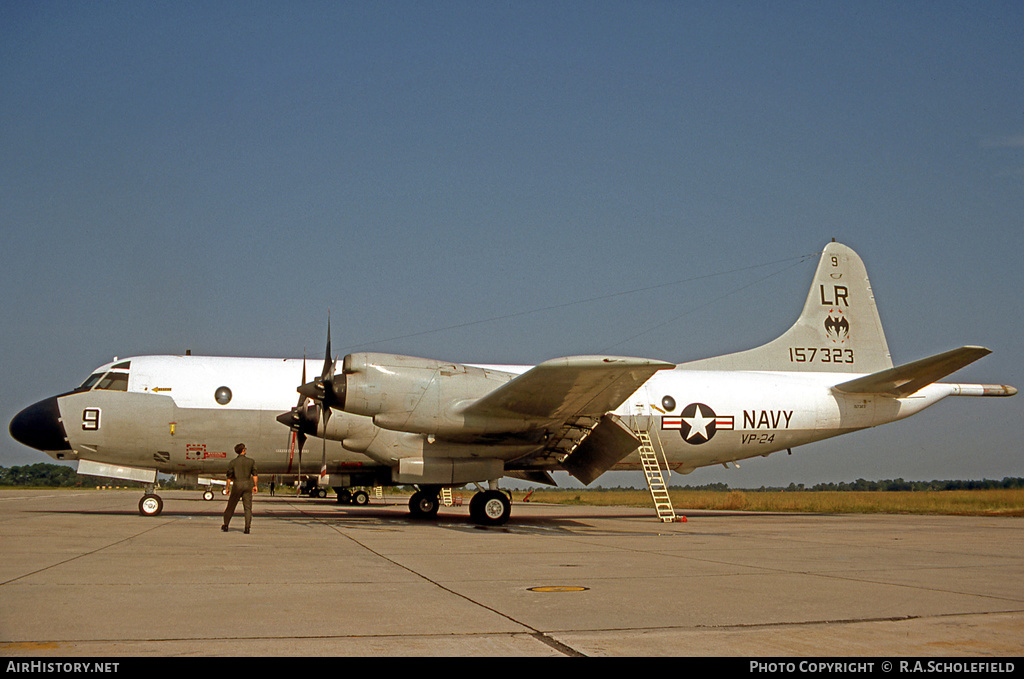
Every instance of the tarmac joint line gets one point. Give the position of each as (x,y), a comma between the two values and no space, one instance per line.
(535,633)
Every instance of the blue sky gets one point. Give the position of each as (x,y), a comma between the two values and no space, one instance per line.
(217,176)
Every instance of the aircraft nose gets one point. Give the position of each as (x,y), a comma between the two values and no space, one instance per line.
(39,426)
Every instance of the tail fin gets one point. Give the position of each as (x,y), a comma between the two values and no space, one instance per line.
(838,331)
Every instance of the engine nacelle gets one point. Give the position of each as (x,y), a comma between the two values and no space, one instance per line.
(417,395)
(441,471)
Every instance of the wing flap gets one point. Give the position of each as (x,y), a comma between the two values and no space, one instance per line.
(609,442)
(905,379)
(567,387)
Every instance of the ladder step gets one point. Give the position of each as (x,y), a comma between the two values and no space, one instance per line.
(655,480)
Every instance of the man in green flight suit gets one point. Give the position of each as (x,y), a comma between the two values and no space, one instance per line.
(242,471)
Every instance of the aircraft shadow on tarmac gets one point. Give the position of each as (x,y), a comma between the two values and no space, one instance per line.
(328,512)
(396,516)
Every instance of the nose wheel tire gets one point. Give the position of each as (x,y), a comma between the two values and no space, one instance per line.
(151,505)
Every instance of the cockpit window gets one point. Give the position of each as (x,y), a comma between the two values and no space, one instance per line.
(90,382)
(114,382)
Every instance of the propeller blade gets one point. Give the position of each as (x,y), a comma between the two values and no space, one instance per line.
(325,385)
(323,460)
(327,354)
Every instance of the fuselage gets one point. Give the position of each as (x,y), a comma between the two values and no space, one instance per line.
(184,415)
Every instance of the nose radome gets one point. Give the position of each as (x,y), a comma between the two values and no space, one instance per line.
(39,427)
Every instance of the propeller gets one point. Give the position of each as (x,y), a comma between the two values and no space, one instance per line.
(321,391)
(299,420)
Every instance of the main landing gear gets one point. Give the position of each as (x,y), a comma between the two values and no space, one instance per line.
(487,508)
(359,498)
(490,508)
(424,503)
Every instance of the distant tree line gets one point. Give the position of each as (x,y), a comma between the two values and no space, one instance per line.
(43,474)
(886,485)
(40,474)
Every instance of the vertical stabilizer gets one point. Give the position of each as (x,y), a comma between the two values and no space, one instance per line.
(838,331)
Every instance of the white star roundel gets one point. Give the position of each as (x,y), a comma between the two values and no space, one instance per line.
(697,424)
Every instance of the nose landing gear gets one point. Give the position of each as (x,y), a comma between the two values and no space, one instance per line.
(151,504)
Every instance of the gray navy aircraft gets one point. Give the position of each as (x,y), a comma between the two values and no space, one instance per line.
(384,419)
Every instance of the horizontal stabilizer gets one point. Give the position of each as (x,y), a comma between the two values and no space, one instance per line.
(905,379)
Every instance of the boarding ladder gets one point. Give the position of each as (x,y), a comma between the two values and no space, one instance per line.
(655,481)
(446,496)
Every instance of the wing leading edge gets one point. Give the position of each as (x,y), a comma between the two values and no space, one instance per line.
(563,388)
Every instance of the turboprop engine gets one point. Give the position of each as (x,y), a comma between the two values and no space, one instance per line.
(418,395)
(418,399)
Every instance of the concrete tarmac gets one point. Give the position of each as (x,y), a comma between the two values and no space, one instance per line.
(83,574)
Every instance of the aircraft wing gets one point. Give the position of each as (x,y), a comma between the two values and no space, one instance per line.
(905,379)
(575,393)
(564,388)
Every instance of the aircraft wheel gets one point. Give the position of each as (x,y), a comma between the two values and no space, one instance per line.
(151,505)
(474,507)
(490,508)
(207,495)
(360,498)
(424,504)
(344,497)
